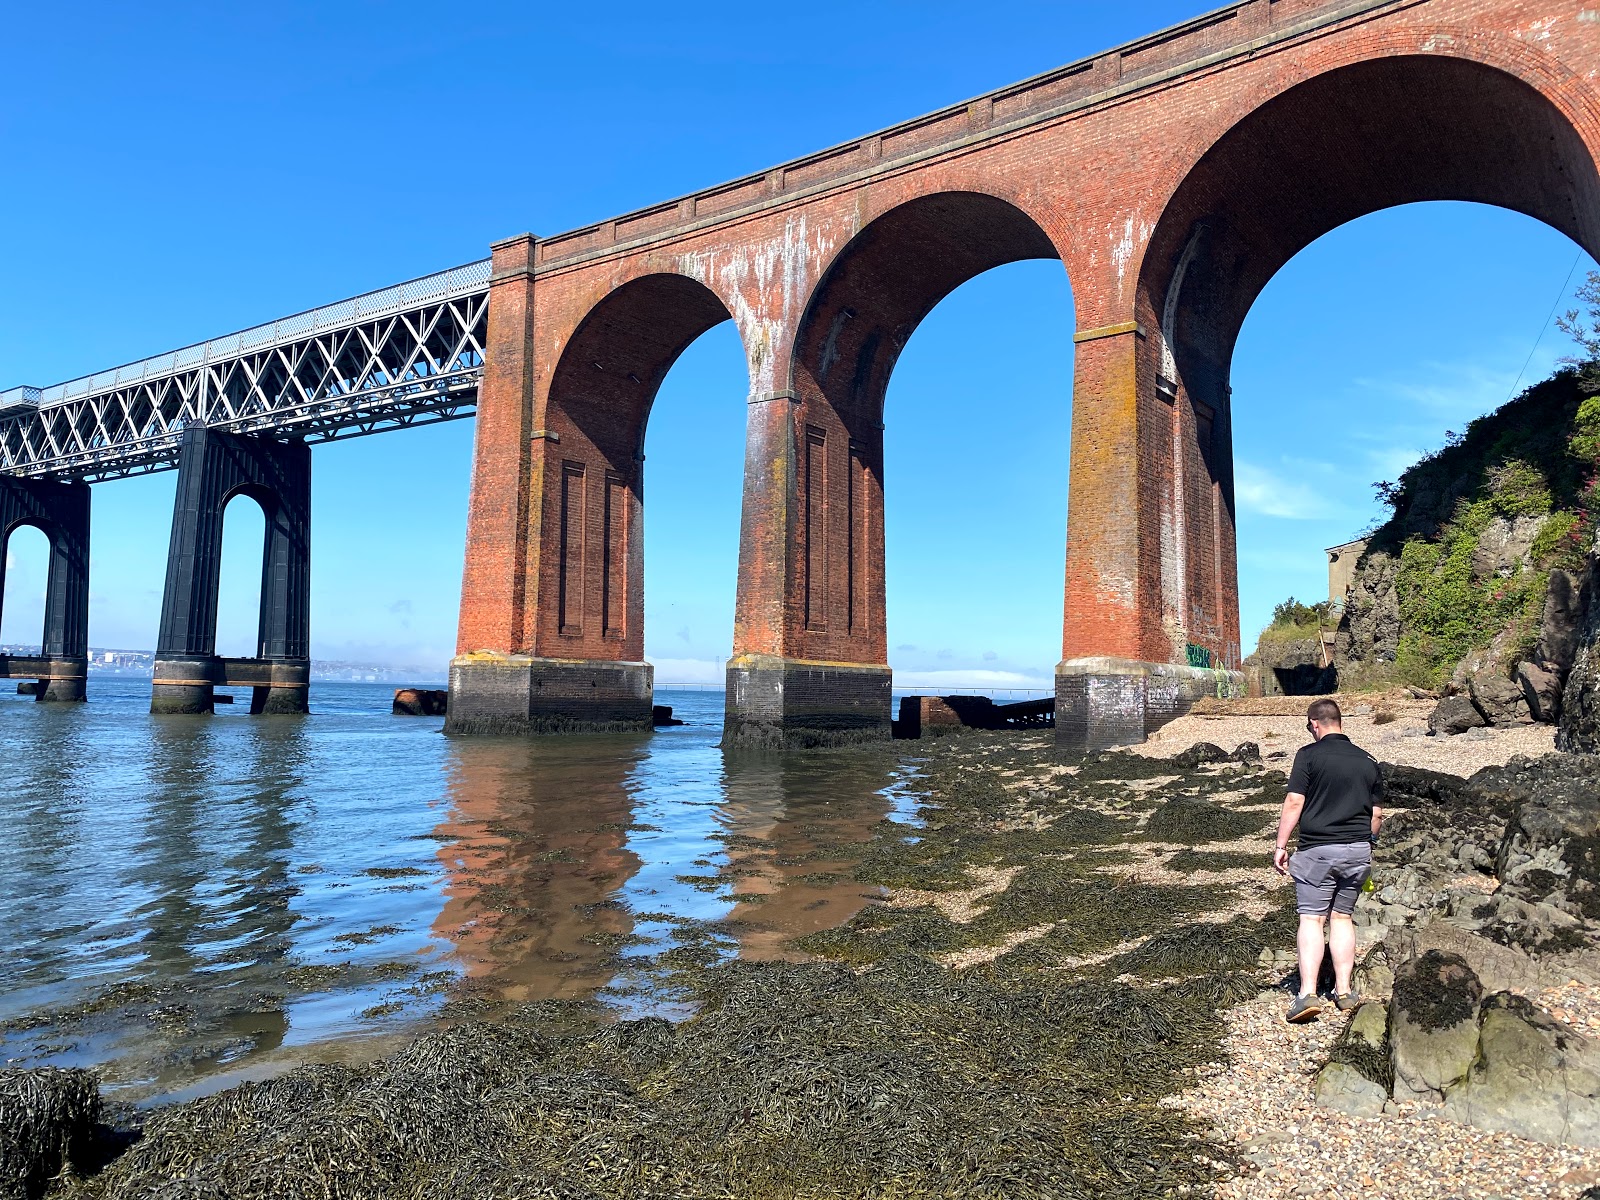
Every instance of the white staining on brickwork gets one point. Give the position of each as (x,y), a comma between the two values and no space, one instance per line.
(764,287)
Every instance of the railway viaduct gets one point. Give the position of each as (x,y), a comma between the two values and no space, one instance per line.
(1172,177)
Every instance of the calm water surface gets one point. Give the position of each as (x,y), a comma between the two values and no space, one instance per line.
(193,900)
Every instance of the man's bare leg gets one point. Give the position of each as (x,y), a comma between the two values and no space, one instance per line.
(1342,945)
(1309,942)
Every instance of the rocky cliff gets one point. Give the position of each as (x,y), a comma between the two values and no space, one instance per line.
(1475,585)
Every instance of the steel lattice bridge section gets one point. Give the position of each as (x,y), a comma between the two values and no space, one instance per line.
(410,354)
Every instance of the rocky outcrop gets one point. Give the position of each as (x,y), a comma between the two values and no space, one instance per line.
(1580,701)
(1370,629)
(1530,1077)
(1488,889)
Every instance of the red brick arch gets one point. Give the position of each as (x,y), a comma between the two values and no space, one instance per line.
(595,414)
(1393,125)
(867,302)
(1225,145)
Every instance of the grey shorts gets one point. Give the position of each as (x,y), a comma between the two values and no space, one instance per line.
(1329,878)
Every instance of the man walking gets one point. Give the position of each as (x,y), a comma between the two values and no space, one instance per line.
(1334,792)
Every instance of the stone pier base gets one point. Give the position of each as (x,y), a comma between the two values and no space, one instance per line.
(517,694)
(1106,702)
(785,703)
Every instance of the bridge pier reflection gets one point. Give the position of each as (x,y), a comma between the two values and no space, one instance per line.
(61,512)
(214,467)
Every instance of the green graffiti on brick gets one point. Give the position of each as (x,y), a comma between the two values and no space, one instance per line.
(1199,656)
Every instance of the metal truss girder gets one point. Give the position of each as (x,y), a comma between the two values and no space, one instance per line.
(405,356)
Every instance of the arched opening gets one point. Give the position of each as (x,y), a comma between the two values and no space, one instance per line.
(875,295)
(239,598)
(601,398)
(27,572)
(1363,353)
(1353,141)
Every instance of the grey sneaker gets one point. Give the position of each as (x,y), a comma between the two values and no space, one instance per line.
(1347,1001)
(1304,1008)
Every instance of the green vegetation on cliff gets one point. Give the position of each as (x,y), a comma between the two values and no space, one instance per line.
(1478,525)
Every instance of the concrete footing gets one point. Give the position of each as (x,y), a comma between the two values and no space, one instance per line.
(517,694)
(785,703)
(1107,702)
(188,684)
(67,681)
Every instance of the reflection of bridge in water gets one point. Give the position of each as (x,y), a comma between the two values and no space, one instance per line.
(1171,177)
(553,848)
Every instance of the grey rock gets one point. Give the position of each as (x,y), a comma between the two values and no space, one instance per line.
(1498,967)
(1580,702)
(1533,1078)
(1369,631)
(1370,1025)
(1433,1026)
(1341,1087)
(1541,688)
(1504,545)
(1499,700)
(1551,850)
(1199,754)
(1248,753)
(1454,714)
(1355,1080)
(1374,974)
(1563,621)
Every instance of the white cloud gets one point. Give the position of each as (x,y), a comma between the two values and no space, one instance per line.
(1263,492)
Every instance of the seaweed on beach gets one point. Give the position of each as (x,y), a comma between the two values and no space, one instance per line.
(1196,819)
(48,1120)
(793,1080)
(879,1074)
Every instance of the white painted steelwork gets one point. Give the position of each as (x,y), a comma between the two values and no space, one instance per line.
(404,355)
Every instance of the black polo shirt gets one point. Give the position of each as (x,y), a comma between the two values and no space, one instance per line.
(1341,783)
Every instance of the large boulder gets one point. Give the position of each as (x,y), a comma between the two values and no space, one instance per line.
(1499,699)
(1433,1026)
(1580,701)
(1532,1077)
(1504,546)
(1541,687)
(1455,714)
(1563,621)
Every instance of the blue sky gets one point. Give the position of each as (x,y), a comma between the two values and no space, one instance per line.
(179,171)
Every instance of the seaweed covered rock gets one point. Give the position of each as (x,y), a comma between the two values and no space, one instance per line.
(1550,855)
(1198,755)
(47,1124)
(1531,1077)
(1191,819)
(1433,1028)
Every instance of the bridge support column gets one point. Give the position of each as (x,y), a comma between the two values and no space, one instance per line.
(1151,616)
(61,512)
(809,636)
(551,638)
(214,467)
